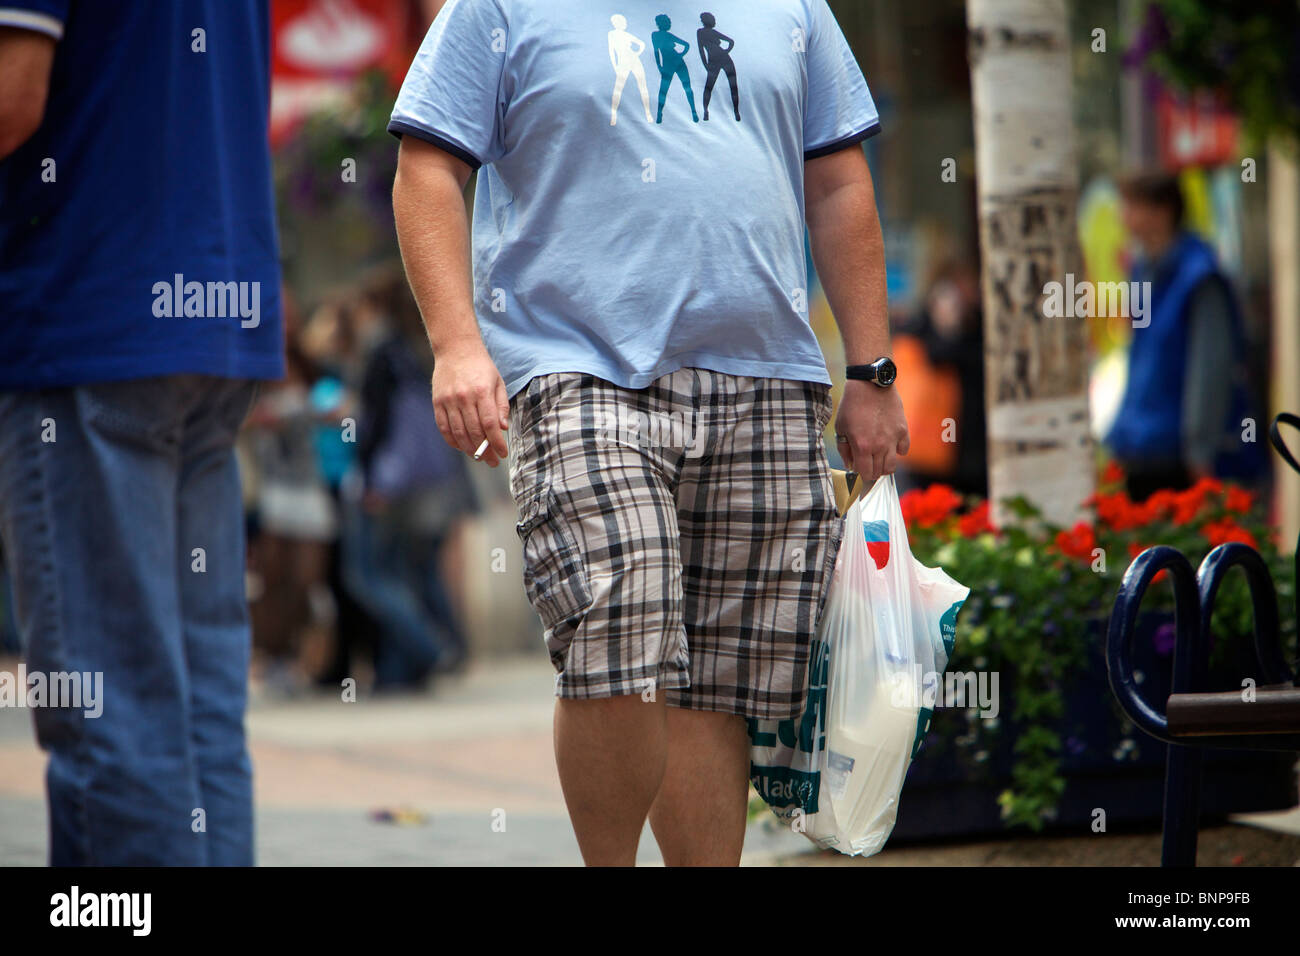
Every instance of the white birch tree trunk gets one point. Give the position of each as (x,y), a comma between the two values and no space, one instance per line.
(1284,251)
(1039,442)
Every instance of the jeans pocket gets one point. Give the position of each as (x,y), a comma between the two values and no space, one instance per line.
(555,578)
(148,413)
(238,398)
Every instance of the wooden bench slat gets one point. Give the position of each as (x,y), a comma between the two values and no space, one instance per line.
(1275,710)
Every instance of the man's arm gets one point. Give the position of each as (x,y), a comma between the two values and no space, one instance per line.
(25,59)
(849,252)
(469,396)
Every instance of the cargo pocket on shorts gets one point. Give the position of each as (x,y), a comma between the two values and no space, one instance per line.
(555,578)
(828,570)
(824,404)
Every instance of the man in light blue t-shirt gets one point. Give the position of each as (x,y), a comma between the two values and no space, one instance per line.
(637,323)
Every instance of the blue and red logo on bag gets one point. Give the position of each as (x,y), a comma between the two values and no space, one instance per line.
(877,534)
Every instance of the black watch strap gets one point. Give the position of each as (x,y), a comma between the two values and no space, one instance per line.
(860,373)
(881,372)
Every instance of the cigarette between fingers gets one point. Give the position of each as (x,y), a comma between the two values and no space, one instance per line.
(478,455)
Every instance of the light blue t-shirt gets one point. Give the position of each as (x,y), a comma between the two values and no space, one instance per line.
(608,242)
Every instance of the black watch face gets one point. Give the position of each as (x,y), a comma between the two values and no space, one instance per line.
(886,372)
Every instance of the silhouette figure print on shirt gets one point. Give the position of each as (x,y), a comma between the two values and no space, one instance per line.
(709,42)
(625,53)
(671,62)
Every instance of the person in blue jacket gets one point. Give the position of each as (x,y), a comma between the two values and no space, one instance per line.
(1185,407)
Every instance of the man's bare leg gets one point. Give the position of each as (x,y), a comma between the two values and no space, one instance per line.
(698,817)
(611,754)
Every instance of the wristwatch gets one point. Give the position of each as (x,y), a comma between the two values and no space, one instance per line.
(881,372)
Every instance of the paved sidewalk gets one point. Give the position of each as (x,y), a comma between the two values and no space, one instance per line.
(472,760)
(472,763)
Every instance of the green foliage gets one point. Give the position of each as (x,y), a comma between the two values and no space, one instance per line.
(335,225)
(1040,594)
(1246,50)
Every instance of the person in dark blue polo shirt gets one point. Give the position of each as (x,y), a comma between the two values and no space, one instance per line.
(139,304)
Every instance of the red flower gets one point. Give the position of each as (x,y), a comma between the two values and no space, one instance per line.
(1208,486)
(976,522)
(1222,532)
(1117,512)
(929,507)
(1112,474)
(1238,500)
(1186,506)
(1078,542)
(1159,505)
(910,503)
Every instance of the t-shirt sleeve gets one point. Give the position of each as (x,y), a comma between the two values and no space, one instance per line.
(452,96)
(840,110)
(40,16)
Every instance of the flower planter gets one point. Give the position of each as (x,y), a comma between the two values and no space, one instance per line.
(953,785)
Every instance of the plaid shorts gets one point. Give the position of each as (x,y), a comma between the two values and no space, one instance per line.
(678,538)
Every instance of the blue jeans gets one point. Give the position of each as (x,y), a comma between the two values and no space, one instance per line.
(8,629)
(392,568)
(107,493)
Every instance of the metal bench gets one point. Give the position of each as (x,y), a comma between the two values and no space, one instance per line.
(1265,717)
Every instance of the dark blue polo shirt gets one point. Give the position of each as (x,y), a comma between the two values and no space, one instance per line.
(137,225)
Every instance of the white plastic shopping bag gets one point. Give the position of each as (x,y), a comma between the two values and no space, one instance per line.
(877,664)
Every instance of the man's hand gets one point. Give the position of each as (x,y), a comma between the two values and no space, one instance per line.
(25,60)
(469,399)
(872,420)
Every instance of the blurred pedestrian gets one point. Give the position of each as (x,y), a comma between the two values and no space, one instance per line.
(1185,402)
(140,302)
(940,358)
(413,488)
(294,612)
(332,343)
